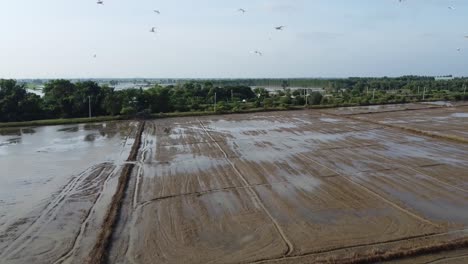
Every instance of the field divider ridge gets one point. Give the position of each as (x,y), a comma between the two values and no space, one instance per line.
(254,195)
(98,253)
(404,128)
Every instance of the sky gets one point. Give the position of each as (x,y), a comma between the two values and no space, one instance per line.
(211,39)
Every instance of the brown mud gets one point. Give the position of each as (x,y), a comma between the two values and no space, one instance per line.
(328,186)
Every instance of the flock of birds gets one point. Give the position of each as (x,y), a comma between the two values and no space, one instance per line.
(243,11)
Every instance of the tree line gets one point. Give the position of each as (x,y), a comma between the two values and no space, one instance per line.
(67,99)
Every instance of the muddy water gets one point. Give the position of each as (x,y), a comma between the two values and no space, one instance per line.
(35,163)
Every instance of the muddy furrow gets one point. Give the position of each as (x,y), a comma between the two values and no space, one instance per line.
(353,145)
(143,204)
(67,255)
(446,259)
(254,195)
(398,110)
(403,128)
(98,253)
(46,216)
(436,248)
(378,196)
(144,150)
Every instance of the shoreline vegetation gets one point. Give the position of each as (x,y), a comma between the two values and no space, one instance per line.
(85,120)
(68,102)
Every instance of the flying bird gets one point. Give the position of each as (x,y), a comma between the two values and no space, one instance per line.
(157,12)
(153,30)
(100,2)
(258,53)
(280,27)
(95,56)
(458,49)
(466,36)
(242,10)
(451,8)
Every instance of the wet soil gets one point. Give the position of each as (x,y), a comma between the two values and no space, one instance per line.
(281,187)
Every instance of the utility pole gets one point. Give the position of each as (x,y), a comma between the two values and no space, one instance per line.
(418,90)
(367,91)
(424,93)
(214,106)
(373,95)
(306,96)
(232,96)
(464,90)
(89,105)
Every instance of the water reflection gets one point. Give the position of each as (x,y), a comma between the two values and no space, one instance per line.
(69,129)
(10,132)
(10,141)
(36,162)
(90,137)
(28,130)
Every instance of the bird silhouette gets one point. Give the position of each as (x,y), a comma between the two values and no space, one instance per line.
(258,53)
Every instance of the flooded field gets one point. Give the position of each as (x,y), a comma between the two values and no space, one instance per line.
(282,187)
(449,121)
(52,177)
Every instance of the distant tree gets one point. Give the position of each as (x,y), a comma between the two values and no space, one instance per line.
(315,98)
(59,98)
(16,104)
(285,84)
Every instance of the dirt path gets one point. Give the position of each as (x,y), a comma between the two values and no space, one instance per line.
(99,251)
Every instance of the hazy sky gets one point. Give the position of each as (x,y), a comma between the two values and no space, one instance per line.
(209,38)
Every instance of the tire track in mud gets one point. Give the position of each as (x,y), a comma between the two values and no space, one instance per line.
(402,165)
(98,253)
(420,218)
(161,198)
(140,163)
(412,130)
(255,197)
(451,245)
(398,110)
(67,255)
(445,259)
(134,200)
(396,206)
(424,174)
(47,215)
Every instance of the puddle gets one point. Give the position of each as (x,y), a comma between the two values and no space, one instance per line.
(460,115)
(439,103)
(36,163)
(220,204)
(330,120)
